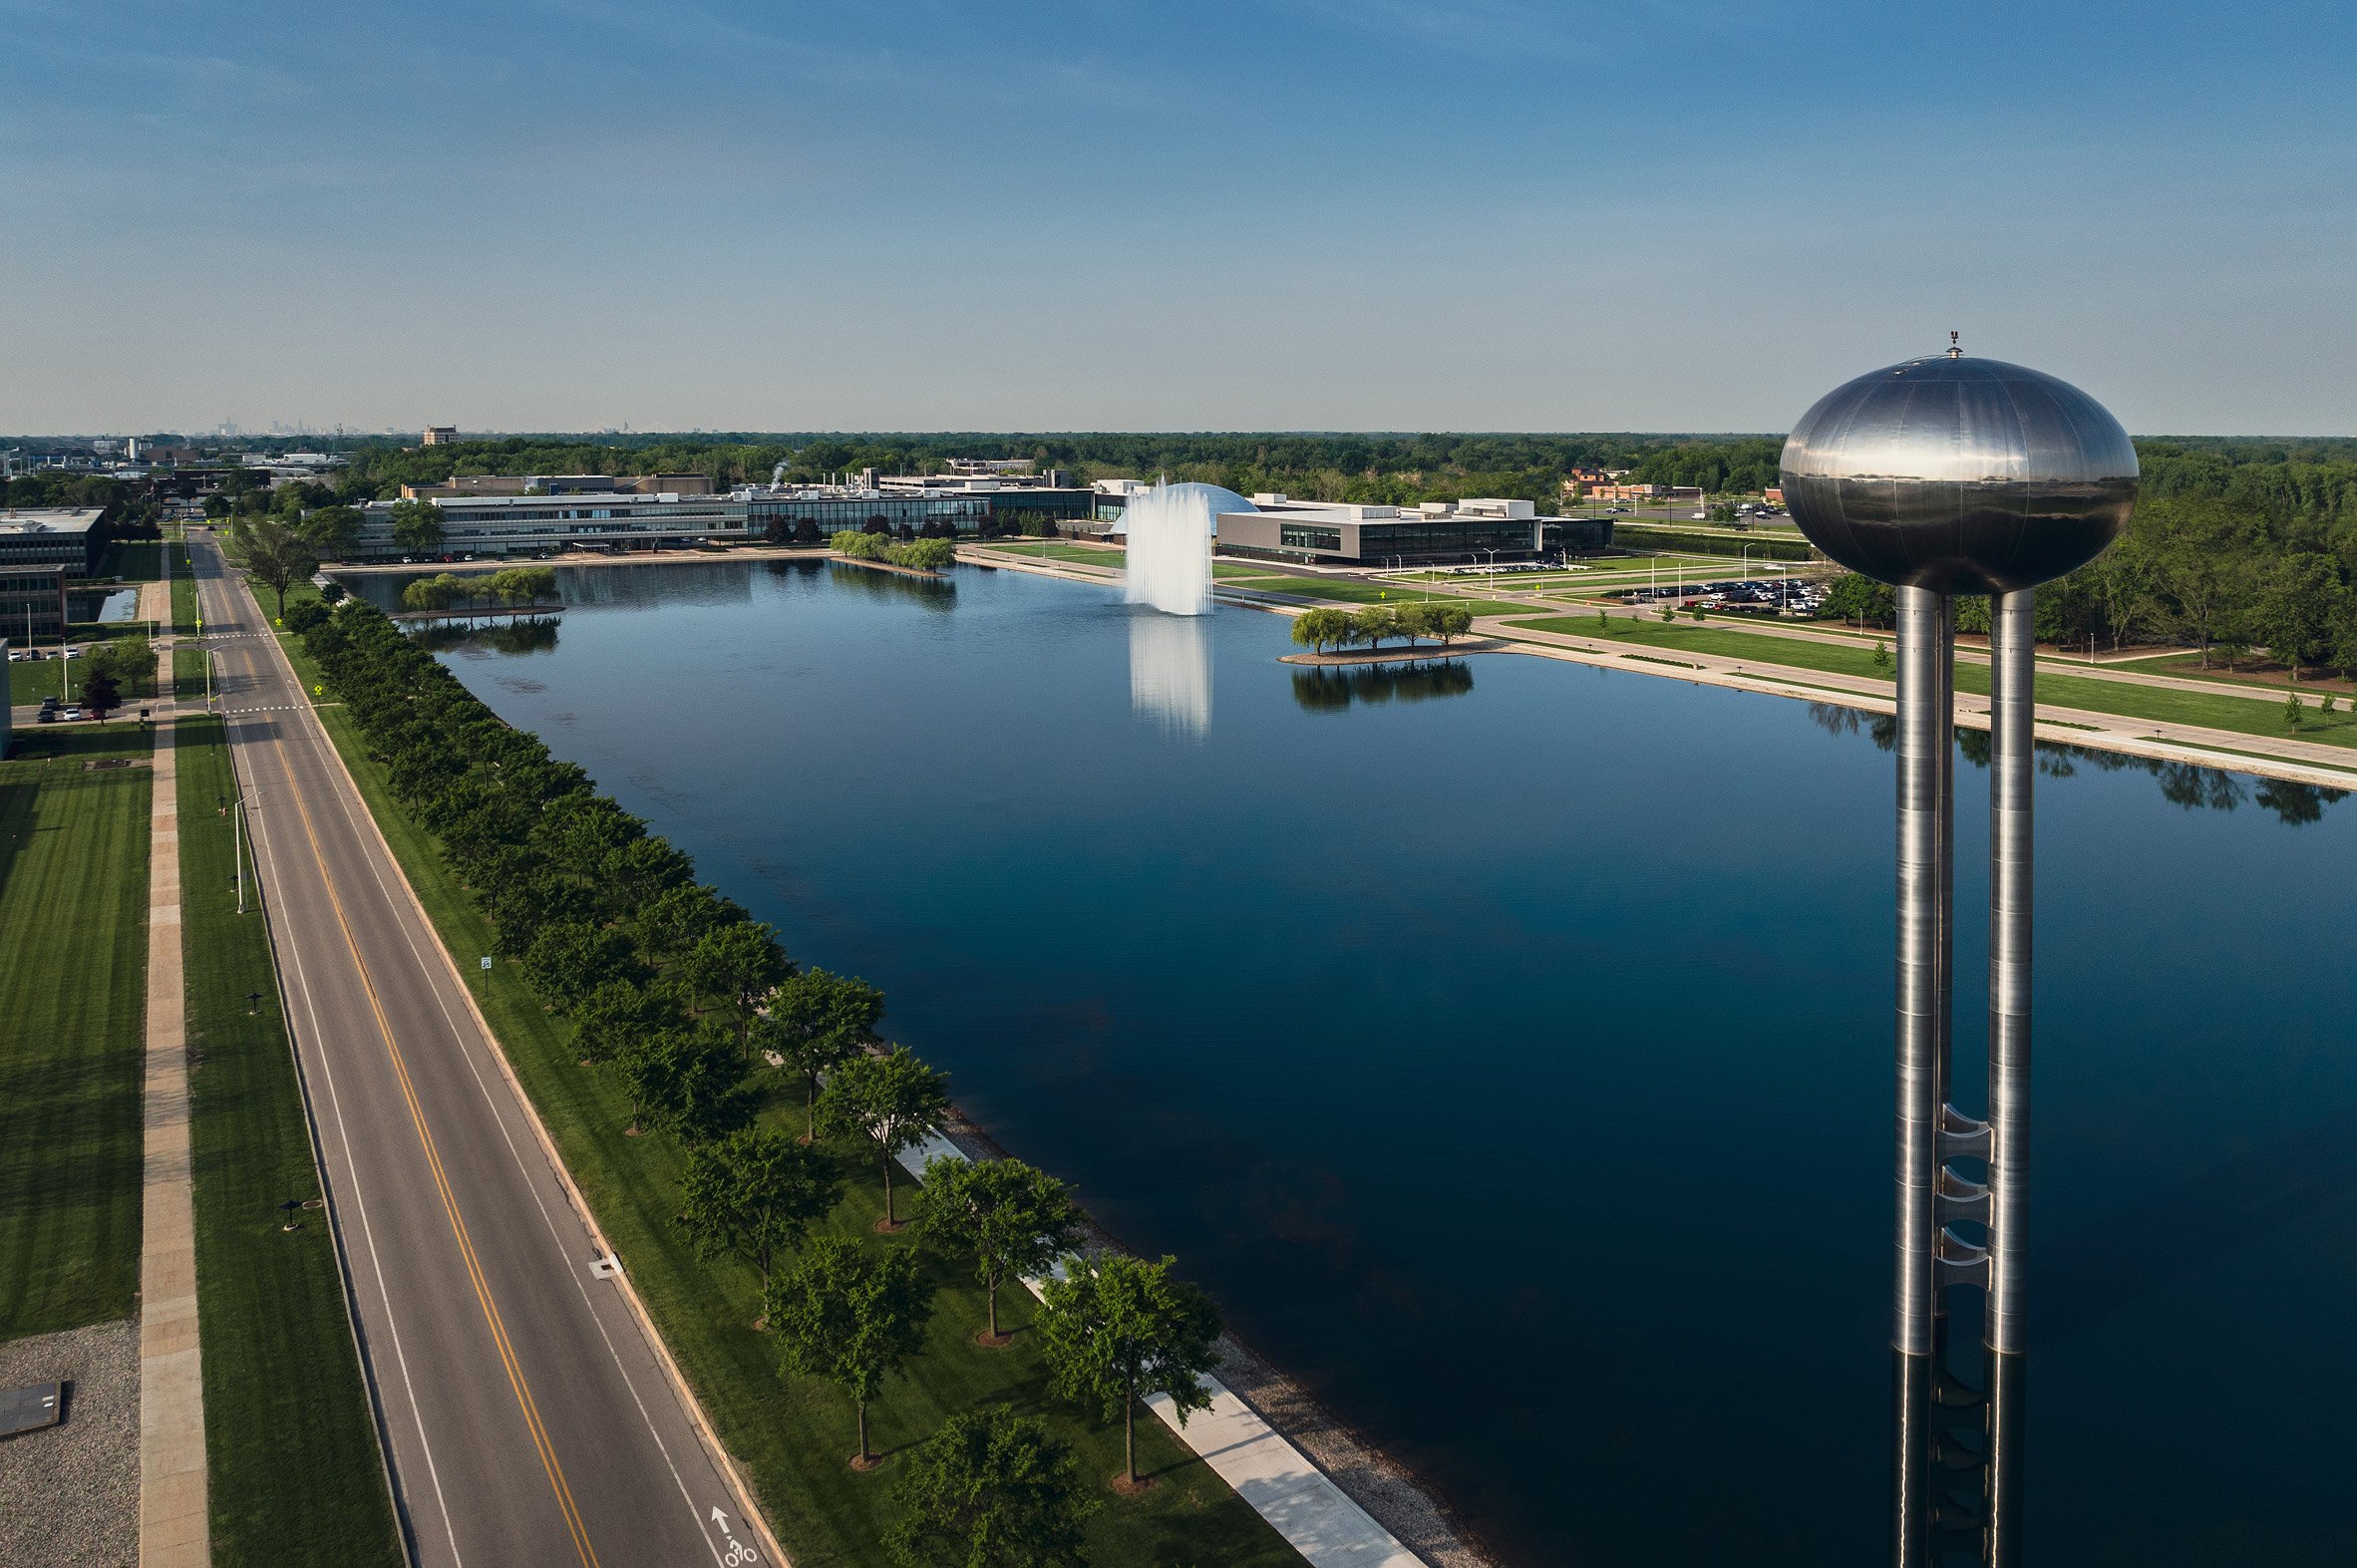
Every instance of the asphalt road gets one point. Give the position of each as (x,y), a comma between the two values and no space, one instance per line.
(529,1417)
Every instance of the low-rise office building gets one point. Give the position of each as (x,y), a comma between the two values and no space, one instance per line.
(1337,534)
(32,602)
(66,537)
(534,524)
(780,512)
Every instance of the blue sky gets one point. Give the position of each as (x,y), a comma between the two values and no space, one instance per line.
(1494,215)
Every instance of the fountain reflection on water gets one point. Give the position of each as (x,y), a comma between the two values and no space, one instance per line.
(1170,673)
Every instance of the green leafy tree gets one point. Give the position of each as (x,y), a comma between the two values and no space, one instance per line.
(991,1489)
(1450,621)
(737,966)
(100,696)
(1321,629)
(332,531)
(755,1194)
(418,527)
(893,1100)
(1118,1330)
(572,958)
(687,1081)
(815,1021)
(851,1316)
(1860,600)
(331,594)
(276,554)
(1000,1215)
(617,1013)
(2299,610)
(1374,623)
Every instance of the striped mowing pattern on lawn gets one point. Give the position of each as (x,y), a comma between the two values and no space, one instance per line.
(73,1012)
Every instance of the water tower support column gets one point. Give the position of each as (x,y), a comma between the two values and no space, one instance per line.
(2012,764)
(1927,832)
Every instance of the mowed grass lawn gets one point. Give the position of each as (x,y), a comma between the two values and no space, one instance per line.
(2160,704)
(73,1008)
(1083,554)
(795,1436)
(1354,590)
(290,1442)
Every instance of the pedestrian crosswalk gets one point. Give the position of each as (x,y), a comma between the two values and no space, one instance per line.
(231,713)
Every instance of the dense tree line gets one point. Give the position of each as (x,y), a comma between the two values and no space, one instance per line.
(678,995)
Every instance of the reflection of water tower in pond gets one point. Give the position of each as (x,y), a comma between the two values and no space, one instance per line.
(1944,476)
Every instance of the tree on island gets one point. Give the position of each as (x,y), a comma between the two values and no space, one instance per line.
(850,1316)
(417,526)
(754,1194)
(1319,629)
(893,1098)
(1447,621)
(815,1021)
(991,1487)
(276,554)
(1118,1330)
(1000,1215)
(1374,623)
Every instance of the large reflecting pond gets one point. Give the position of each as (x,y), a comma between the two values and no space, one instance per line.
(1508,1043)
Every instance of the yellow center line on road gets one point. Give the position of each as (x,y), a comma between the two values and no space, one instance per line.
(450,1207)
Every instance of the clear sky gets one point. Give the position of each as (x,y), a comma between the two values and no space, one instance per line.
(1300,214)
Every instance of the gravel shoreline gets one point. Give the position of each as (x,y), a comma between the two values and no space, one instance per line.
(1400,1500)
(70,1493)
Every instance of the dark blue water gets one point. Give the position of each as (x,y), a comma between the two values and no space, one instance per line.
(1508,1049)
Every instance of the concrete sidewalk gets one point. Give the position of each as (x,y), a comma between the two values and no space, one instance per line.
(174,1528)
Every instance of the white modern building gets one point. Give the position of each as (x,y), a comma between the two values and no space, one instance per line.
(538,524)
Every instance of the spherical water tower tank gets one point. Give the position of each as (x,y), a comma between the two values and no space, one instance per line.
(1962,476)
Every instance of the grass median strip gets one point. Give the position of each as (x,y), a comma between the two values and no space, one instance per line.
(793,1435)
(290,1440)
(73,1008)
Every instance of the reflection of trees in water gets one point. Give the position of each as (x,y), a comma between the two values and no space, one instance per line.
(935,593)
(2188,784)
(1330,688)
(508,635)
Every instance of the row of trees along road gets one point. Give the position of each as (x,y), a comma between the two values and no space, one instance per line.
(1329,628)
(687,1003)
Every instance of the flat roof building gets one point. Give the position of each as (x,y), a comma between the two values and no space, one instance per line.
(68,537)
(1339,534)
(560,485)
(537,524)
(441,435)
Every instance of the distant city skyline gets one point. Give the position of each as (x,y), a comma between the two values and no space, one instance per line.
(1308,214)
